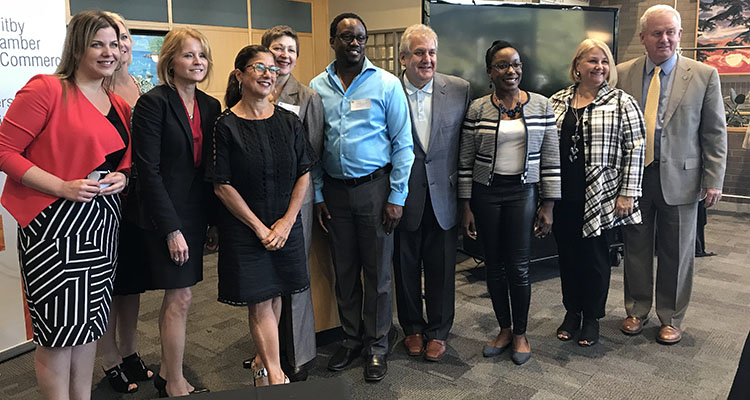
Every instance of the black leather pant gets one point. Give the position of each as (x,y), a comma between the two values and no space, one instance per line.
(504,214)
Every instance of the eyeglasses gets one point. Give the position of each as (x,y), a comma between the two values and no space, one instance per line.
(347,37)
(261,68)
(504,66)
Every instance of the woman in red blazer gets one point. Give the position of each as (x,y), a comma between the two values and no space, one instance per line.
(64,145)
(172,127)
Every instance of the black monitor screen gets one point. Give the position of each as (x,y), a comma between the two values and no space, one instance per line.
(546,38)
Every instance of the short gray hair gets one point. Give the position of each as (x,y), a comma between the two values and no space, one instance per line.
(660,9)
(416,30)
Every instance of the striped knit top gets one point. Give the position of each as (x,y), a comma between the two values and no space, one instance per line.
(477,159)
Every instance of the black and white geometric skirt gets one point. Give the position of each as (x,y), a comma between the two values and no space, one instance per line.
(68,255)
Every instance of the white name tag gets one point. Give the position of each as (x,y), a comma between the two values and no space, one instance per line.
(289,107)
(606,107)
(361,104)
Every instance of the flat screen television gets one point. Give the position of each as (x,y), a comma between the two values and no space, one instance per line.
(545,36)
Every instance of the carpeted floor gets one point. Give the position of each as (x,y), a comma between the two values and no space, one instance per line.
(702,366)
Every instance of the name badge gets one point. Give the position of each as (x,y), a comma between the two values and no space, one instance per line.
(606,107)
(289,107)
(361,104)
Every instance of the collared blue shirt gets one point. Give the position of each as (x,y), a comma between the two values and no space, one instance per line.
(366,127)
(666,78)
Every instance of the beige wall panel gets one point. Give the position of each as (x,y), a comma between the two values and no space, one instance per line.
(305,69)
(322,280)
(381,14)
(225,43)
(320,24)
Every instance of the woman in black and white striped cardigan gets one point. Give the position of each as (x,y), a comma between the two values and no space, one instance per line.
(509,144)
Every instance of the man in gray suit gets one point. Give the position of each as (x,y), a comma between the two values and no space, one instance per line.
(426,236)
(686,148)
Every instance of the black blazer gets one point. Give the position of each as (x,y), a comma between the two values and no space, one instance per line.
(163,154)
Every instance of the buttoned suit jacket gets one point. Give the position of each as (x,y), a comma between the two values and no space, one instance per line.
(693,142)
(436,169)
(163,153)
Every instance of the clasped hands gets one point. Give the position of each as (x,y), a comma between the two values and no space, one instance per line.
(84,190)
(275,237)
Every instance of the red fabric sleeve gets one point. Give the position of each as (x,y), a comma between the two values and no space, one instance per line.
(28,114)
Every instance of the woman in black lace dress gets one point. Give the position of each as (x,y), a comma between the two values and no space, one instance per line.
(260,173)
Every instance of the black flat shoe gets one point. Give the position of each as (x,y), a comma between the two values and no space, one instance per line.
(343,357)
(589,332)
(376,367)
(119,381)
(569,327)
(136,369)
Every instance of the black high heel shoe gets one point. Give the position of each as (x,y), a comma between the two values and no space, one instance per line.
(136,369)
(589,332)
(119,380)
(569,327)
(161,386)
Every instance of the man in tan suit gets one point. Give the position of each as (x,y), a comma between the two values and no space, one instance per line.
(686,148)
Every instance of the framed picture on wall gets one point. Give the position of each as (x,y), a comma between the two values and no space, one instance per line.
(146,46)
(724,23)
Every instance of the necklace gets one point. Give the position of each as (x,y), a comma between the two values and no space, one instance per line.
(575,137)
(510,113)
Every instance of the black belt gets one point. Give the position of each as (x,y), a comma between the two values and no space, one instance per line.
(364,179)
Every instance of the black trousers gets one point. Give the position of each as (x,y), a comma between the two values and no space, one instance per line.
(432,249)
(504,214)
(741,386)
(584,262)
(362,254)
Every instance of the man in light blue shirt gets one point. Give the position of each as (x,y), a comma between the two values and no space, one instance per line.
(360,189)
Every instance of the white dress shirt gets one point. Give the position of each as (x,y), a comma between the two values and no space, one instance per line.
(420,103)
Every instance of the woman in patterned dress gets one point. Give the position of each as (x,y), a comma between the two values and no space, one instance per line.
(64,145)
(121,362)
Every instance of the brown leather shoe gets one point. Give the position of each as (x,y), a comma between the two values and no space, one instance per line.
(669,334)
(632,325)
(435,350)
(414,344)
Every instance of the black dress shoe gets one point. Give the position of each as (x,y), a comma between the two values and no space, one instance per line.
(376,367)
(342,358)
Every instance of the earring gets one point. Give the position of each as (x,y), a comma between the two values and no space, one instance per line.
(578,74)
(239,84)
(490,84)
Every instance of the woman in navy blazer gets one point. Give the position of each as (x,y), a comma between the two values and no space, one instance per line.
(172,127)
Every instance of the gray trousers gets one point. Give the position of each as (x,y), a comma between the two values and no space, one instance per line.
(431,250)
(672,230)
(361,252)
(297,325)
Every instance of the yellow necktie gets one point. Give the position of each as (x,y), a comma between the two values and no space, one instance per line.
(649,113)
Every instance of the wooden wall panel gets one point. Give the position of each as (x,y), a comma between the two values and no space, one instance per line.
(225,43)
